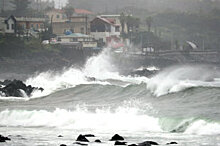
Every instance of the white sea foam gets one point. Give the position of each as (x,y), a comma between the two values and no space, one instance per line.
(179,78)
(121,119)
(202,127)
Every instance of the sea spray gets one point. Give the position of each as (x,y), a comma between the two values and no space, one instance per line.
(98,67)
(179,78)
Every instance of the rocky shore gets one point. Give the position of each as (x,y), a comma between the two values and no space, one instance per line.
(16,88)
(117,139)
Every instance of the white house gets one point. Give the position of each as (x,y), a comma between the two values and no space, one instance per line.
(10,25)
(104,28)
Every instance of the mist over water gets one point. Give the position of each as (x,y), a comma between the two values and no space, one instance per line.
(96,98)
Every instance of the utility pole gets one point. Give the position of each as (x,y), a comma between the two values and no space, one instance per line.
(86,24)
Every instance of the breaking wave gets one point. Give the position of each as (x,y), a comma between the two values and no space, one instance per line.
(121,119)
(175,79)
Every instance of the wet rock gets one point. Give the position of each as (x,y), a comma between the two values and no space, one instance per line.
(4,139)
(143,72)
(173,142)
(144,144)
(82,138)
(120,143)
(116,137)
(60,136)
(89,135)
(80,143)
(98,141)
(91,78)
(63,145)
(5,82)
(148,143)
(132,145)
(152,142)
(13,88)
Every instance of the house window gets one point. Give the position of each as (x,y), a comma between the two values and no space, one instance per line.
(58,16)
(37,26)
(117,29)
(32,25)
(41,26)
(12,26)
(82,30)
(74,40)
(7,26)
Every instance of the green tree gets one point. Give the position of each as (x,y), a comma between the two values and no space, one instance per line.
(132,23)
(20,7)
(149,21)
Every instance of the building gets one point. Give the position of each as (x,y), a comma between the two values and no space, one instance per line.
(76,24)
(35,24)
(56,15)
(24,25)
(106,27)
(86,41)
(10,25)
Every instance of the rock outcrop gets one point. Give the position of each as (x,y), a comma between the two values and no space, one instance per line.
(16,88)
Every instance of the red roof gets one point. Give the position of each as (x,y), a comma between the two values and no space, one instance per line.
(82,11)
(77,11)
(110,21)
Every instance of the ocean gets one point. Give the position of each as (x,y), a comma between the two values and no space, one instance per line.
(179,103)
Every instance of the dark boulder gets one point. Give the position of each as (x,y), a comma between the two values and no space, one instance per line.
(63,145)
(91,79)
(4,139)
(5,82)
(80,143)
(173,142)
(98,141)
(144,72)
(60,136)
(152,142)
(148,143)
(89,135)
(13,88)
(82,138)
(120,143)
(144,144)
(116,137)
(132,145)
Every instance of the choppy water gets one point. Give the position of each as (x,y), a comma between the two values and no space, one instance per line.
(179,104)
